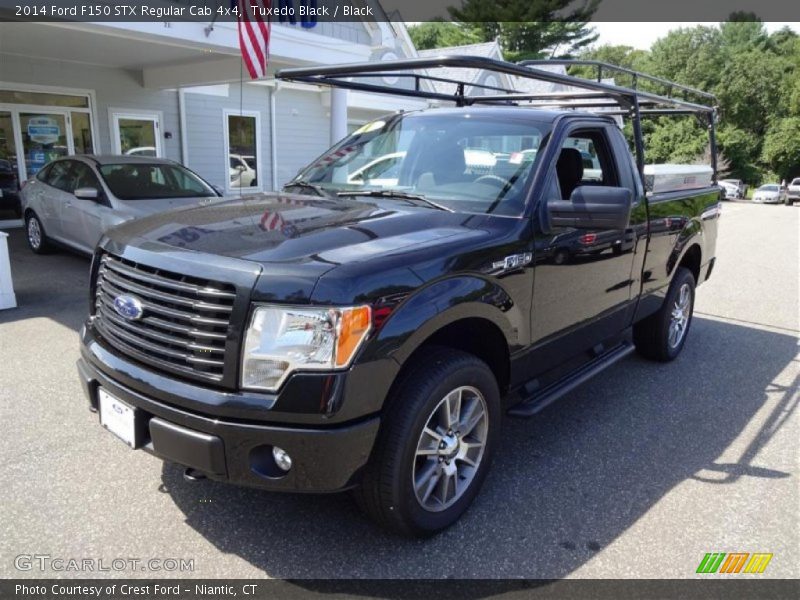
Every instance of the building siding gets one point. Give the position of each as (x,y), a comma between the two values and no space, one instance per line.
(303,130)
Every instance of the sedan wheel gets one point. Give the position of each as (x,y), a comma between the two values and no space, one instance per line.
(37,239)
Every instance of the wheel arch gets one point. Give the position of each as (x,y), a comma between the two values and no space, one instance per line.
(692,259)
(471,314)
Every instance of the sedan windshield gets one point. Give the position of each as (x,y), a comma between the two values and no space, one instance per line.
(768,188)
(145,181)
(465,162)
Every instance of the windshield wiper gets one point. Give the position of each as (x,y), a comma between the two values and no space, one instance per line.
(395,194)
(302,183)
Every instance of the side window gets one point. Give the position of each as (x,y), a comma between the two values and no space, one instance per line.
(59,175)
(585,159)
(42,174)
(84,177)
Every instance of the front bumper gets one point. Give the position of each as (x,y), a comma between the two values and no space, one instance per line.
(325,459)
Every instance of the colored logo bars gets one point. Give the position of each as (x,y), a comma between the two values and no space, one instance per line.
(734,562)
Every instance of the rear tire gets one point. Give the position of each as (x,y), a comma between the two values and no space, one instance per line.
(661,336)
(36,236)
(423,473)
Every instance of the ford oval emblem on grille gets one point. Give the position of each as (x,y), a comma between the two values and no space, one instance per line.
(129,307)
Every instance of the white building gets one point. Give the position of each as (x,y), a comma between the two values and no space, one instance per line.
(178,90)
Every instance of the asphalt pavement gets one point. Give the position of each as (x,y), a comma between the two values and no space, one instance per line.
(637,473)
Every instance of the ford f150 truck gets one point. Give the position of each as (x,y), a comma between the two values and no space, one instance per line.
(368,333)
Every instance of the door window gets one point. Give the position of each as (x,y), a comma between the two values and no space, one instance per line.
(585,159)
(84,176)
(44,138)
(243,156)
(60,176)
(82,133)
(137,135)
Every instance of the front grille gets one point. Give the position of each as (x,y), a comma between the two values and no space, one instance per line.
(184,324)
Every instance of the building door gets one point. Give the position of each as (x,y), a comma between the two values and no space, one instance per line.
(45,137)
(137,134)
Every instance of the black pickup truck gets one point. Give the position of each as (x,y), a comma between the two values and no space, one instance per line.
(368,327)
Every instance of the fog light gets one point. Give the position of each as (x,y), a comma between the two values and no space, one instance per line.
(282,458)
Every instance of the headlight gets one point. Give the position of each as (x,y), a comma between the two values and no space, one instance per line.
(282,340)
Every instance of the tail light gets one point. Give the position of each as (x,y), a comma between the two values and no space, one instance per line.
(588,238)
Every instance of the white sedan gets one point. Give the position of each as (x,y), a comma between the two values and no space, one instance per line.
(72,201)
(771,193)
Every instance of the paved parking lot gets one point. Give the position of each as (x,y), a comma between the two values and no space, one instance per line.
(638,473)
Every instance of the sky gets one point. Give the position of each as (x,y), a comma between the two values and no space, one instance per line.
(642,35)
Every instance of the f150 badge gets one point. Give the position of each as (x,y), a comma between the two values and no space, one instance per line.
(515,261)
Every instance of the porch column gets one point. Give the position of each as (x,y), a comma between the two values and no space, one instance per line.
(338,114)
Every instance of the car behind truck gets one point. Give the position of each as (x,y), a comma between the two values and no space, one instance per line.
(369,333)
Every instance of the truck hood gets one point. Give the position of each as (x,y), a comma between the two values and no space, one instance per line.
(294,228)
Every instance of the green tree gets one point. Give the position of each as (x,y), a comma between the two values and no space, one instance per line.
(781,151)
(756,78)
(737,150)
(440,34)
(675,140)
(528,29)
(750,92)
(743,31)
(691,56)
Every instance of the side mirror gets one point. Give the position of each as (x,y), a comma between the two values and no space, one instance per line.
(87,193)
(593,207)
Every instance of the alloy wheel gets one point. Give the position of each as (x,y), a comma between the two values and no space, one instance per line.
(450,448)
(34,233)
(681,311)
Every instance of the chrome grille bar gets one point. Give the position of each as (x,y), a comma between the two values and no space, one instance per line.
(184,323)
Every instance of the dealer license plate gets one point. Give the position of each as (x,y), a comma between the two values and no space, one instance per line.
(118,417)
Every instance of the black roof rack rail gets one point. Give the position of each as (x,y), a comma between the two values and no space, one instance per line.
(631,101)
(343,76)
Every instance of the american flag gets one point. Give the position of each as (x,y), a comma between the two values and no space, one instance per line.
(254,33)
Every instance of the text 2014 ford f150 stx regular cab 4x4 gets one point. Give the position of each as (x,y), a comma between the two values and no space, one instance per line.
(369,331)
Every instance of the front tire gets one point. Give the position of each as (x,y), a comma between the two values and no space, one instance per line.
(37,238)
(435,446)
(661,336)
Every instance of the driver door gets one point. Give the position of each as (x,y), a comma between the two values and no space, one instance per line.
(583,279)
(82,219)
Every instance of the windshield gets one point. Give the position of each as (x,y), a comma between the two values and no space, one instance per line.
(768,188)
(140,181)
(466,162)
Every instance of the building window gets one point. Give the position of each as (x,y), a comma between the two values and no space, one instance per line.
(38,125)
(243,150)
(43,99)
(137,133)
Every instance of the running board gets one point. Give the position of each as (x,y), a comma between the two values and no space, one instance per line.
(546,396)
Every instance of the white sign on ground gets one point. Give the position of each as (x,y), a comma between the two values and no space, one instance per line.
(7,297)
